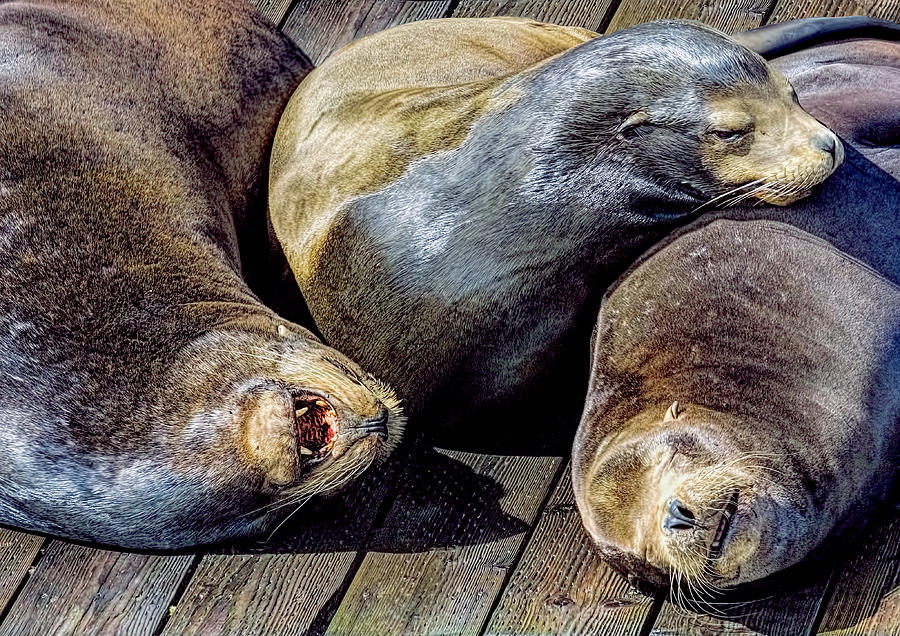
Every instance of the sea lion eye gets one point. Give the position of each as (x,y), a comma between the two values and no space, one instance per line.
(731,135)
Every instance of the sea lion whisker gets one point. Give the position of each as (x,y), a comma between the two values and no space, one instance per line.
(285,520)
(769,186)
(335,483)
(296,493)
(727,194)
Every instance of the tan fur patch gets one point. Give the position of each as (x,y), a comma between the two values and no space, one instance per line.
(781,153)
(376,110)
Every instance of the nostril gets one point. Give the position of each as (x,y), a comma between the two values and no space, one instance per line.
(678,516)
(826,143)
(377,423)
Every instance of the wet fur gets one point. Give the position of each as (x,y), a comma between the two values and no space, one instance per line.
(784,324)
(134,152)
(464,262)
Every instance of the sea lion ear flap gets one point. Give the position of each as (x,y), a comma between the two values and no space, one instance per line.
(671,413)
(631,122)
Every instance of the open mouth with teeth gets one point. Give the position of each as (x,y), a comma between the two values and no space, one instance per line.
(315,421)
(715,548)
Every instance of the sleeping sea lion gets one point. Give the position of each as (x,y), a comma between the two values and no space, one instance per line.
(453,196)
(148,399)
(743,403)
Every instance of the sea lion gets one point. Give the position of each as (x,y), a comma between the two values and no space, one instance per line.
(743,401)
(148,399)
(453,214)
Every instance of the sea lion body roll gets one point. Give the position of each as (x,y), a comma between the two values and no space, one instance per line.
(743,402)
(147,397)
(451,214)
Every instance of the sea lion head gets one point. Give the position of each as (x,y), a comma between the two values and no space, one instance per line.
(682,497)
(274,417)
(682,106)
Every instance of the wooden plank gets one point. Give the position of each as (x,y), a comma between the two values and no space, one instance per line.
(588,14)
(285,586)
(76,589)
(789,613)
(388,13)
(258,594)
(321,26)
(728,15)
(446,546)
(866,600)
(274,10)
(17,552)
(791,9)
(562,586)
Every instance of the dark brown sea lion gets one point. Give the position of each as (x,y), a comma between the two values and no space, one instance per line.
(454,196)
(147,397)
(744,399)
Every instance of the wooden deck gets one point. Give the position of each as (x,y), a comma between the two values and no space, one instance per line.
(445,542)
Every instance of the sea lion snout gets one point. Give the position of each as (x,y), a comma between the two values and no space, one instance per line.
(777,152)
(673,493)
(308,416)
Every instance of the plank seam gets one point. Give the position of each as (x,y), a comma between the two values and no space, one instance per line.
(767,15)
(523,546)
(21,586)
(451,8)
(653,614)
(606,20)
(319,625)
(826,599)
(363,21)
(179,592)
(283,20)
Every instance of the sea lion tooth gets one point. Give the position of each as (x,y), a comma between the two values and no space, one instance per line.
(322,403)
(305,451)
(152,220)
(369,244)
(301,412)
(671,413)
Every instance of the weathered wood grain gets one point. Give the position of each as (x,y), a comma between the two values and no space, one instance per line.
(446,546)
(388,13)
(320,27)
(588,14)
(275,10)
(562,587)
(258,594)
(728,15)
(81,590)
(17,552)
(866,600)
(791,9)
(285,585)
(786,614)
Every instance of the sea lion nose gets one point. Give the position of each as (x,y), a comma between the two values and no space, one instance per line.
(376,424)
(826,143)
(678,517)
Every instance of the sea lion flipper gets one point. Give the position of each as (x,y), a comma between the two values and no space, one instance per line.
(775,40)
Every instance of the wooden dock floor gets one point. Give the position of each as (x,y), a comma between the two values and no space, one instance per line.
(442,542)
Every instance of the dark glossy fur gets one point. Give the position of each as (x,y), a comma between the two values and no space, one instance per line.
(134,143)
(788,318)
(485,325)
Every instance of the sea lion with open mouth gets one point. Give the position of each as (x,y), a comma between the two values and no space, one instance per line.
(147,397)
(743,403)
(454,196)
